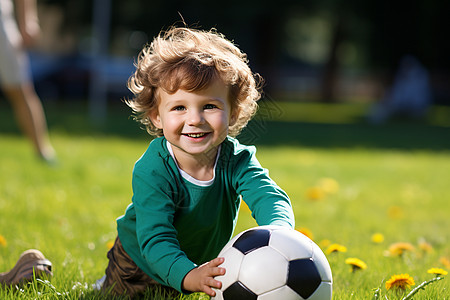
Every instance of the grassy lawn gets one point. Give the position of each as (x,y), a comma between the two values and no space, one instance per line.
(390,179)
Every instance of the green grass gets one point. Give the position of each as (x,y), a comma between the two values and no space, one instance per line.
(69,211)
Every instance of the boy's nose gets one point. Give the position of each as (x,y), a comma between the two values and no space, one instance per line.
(195,118)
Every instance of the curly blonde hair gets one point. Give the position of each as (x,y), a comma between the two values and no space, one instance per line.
(190,59)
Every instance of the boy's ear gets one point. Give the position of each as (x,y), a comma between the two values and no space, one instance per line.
(155,118)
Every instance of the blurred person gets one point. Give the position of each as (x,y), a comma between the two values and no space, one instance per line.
(410,94)
(19,29)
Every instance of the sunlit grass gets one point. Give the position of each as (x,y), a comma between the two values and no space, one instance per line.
(69,211)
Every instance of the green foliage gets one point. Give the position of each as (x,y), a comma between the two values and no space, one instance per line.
(68,211)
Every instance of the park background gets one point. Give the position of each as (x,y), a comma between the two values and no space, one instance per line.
(325,64)
(327,50)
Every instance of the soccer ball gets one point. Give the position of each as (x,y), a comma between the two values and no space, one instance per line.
(274,263)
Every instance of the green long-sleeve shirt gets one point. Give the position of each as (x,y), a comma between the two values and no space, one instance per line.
(173,224)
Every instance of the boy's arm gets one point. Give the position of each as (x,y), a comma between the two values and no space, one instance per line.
(269,204)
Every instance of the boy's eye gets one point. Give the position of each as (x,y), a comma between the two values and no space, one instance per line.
(179,108)
(209,106)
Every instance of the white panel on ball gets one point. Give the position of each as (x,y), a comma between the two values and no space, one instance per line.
(218,296)
(293,244)
(322,264)
(263,270)
(283,293)
(324,291)
(232,263)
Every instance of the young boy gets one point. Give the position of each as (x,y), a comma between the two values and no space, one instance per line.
(193,91)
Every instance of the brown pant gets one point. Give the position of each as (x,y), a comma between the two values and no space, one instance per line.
(124,277)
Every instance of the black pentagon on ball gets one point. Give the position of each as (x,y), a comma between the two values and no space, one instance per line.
(252,240)
(238,291)
(303,277)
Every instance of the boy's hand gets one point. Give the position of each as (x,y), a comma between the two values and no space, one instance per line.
(201,279)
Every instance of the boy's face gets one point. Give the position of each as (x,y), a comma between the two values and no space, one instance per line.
(195,123)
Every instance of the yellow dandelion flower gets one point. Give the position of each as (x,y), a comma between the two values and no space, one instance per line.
(335,248)
(395,212)
(315,193)
(109,244)
(445,261)
(324,243)
(306,232)
(377,238)
(400,282)
(356,264)
(398,249)
(425,247)
(3,242)
(437,271)
(329,185)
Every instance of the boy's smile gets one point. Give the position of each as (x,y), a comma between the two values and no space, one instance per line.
(195,123)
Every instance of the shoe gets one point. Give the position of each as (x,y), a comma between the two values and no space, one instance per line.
(31,264)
